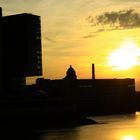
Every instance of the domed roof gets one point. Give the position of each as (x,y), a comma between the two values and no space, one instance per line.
(70,70)
(71,74)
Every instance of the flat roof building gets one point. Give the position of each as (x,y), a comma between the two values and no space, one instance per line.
(20,49)
(21,45)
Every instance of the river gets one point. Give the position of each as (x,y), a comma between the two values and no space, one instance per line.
(111,127)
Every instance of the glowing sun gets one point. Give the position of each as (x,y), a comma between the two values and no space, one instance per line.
(125,57)
(128,138)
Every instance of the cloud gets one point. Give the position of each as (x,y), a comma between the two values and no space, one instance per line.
(89,36)
(124,19)
(93,34)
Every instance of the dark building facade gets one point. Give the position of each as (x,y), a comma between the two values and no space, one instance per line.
(88,87)
(91,96)
(20,49)
(21,45)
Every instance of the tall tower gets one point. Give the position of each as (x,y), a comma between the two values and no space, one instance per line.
(21,48)
(21,45)
(93,72)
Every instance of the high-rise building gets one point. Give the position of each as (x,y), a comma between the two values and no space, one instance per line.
(21,45)
(20,49)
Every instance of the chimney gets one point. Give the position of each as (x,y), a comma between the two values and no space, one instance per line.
(93,72)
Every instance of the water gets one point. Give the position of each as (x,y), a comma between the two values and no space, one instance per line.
(113,127)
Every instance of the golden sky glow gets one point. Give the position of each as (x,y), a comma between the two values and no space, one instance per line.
(82,32)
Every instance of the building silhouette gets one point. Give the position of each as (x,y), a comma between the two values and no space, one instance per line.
(65,100)
(70,74)
(91,96)
(20,49)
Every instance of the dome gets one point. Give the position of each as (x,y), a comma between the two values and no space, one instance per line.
(70,70)
(71,74)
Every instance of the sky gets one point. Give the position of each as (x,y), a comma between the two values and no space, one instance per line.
(82,32)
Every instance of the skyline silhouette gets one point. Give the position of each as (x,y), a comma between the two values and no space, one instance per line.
(68,35)
(84,59)
(51,104)
(24,60)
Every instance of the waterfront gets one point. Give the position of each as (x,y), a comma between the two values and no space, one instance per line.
(112,127)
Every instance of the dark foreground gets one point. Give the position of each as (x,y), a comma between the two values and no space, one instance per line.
(26,115)
(28,126)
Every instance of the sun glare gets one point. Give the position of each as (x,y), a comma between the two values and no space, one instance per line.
(125,57)
(128,138)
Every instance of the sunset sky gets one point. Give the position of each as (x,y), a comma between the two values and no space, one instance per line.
(82,32)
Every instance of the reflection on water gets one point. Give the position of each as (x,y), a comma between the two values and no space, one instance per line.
(63,134)
(114,127)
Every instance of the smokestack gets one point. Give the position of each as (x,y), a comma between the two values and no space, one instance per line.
(0,12)
(93,72)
